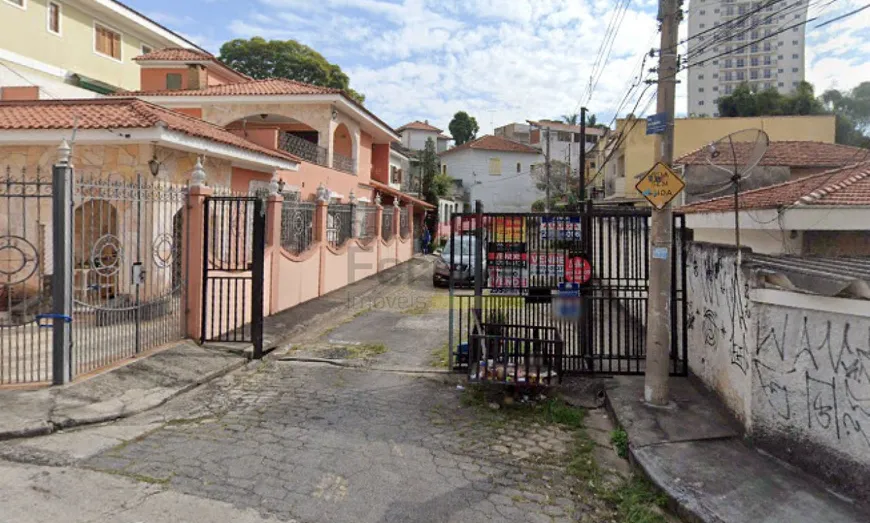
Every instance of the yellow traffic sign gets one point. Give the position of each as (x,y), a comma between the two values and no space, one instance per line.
(660,185)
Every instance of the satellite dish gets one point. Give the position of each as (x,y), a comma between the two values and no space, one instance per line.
(735,156)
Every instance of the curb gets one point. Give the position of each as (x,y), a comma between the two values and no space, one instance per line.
(45,428)
(681,509)
(348,365)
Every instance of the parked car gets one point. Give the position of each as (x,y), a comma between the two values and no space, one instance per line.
(463,263)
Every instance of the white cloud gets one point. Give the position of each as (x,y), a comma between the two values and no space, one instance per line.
(506,61)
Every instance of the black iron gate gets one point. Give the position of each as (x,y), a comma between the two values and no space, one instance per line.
(233,258)
(532,265)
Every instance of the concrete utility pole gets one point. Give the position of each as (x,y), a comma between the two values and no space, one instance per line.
(582,168)
(658,322)
(547,170)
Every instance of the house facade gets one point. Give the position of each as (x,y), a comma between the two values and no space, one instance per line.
(824,214)
(628,151)
(415,134)
(496,171)
(75,49)
(782,161)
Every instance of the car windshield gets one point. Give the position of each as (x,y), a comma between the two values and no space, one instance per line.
(464,246)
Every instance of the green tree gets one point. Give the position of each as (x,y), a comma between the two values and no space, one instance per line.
(571,119)
(463,127)
(289,59)
(851,108)
(434,184)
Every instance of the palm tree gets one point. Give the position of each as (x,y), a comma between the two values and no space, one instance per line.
(591,121)
(571,119)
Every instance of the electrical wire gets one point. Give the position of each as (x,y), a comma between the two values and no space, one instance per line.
(609,36)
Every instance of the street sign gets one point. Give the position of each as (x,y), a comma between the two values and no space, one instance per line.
(656,123)
(660,185)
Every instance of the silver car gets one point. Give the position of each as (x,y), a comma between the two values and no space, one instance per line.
(462,260)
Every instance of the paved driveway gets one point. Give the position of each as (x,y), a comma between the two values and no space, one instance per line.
(324,443)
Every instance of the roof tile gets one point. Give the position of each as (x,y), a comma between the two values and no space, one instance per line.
(269,86)
(494,143)
(784,153)
(117,113)
(846,186)
(417,125)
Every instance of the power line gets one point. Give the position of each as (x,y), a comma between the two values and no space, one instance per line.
(847,15)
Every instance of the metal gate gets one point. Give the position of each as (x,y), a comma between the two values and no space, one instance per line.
(127,279)
(529,259)
(233,257)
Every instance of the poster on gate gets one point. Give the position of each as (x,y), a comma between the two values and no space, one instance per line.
(578,270)
(560,228)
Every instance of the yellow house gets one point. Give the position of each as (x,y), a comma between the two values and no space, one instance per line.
(74,48)
(635,152)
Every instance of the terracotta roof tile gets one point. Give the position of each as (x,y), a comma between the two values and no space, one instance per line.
(785,153)
(174,54)
(115,114)
(180,54)
(846,186)
(419,126)
(269,86)
(494,143)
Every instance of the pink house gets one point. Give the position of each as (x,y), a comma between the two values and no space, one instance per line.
(343,146)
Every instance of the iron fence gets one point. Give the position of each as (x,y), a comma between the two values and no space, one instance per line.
(404,223)
(366,217)
(387,216)
(304,149)
(521,355)
(339,224)
(25,273)
(297,226)
(126,268)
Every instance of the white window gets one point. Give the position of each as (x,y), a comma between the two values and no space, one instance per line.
(21,4)
(146,49)
(173,81)
(53,18)
(107,42)
(495,166)
(519,167)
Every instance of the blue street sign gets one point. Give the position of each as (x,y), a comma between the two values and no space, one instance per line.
(656,123)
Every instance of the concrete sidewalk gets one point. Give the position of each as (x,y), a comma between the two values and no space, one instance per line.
(696,455)
(127,390)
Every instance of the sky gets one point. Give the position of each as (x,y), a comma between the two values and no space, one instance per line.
(501,61)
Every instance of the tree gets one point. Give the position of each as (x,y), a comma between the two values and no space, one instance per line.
(463,127)
(571,119)
(563,184)
(852,108)
(435,184)
(289,59)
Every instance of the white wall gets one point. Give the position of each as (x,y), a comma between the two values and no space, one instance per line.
(794,368)
(508,192)
(762,241)
(416,140)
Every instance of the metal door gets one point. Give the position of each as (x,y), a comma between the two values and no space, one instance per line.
(233,257)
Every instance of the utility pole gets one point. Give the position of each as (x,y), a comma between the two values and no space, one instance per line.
(582,168)
(568,172)
(658,322)
(547,170)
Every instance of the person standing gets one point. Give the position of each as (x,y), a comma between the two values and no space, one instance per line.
(427,239)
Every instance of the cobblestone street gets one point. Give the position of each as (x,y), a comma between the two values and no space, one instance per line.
(353,441)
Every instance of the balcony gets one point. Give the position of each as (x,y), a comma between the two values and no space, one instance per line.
(313,153)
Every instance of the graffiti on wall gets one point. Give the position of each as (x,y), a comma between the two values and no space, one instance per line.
(720,300)
(814,371)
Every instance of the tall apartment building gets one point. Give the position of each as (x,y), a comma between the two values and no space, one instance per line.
(733,42)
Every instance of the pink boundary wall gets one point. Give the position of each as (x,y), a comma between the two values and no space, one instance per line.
(293,279)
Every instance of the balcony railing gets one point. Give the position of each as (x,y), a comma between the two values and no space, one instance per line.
(311,152)
(343,163)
